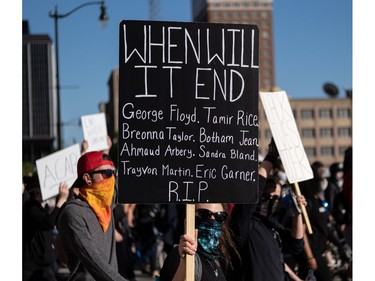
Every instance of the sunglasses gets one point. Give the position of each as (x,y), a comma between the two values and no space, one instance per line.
(205,214)
(268,196)
(105,173)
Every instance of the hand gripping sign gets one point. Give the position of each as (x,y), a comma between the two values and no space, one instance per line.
(57,167)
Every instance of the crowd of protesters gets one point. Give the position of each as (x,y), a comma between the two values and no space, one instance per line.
(263,241)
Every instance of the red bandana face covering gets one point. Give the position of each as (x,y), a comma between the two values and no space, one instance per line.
(99,197)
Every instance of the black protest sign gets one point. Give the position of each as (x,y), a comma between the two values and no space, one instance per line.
(188,112)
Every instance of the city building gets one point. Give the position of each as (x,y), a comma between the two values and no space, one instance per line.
(111,109)
(38,96)
(258,12)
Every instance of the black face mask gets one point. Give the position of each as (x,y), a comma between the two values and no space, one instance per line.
(267,204)
(209,232)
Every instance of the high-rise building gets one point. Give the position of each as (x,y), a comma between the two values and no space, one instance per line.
(38,96)
(258,12)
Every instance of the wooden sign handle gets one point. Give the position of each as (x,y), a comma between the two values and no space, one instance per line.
(190,230)
(303,209)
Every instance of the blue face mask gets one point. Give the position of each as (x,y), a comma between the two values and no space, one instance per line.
(209,232)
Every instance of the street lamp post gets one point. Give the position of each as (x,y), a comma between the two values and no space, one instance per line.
(103,18)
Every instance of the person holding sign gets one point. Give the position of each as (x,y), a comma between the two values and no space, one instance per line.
(261,240)
(213,247)
(86,223)
(37,225)
(85,146)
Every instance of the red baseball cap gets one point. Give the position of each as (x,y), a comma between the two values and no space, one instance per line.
(88,162)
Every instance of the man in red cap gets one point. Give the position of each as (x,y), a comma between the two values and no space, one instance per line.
(86,224)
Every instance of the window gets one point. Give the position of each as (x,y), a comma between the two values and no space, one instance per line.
(215,14)
(264,24)
(267,82)
(326,132)
(343,113)
(326,151)
(308,133)
(325,113)
(265,34)
(264,15)
(310,151)
(266,72)
(307,114)
(266,63)
(344,132)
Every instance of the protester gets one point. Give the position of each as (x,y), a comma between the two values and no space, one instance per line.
(213,247)
(334,183)
(261,239)
(347,189)
(86,223)
(123,241)
(316,243)
(148,238)
(37,225)
(85,146)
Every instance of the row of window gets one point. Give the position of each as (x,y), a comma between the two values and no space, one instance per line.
(241,14)
(325,151)
(324,132)
(245,4)
(324,113)
(327,132)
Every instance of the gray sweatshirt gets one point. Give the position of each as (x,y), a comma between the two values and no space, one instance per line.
(90,252)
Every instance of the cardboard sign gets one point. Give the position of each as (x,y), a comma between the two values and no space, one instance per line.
(285,133)
(95,131)
(188,104)
(56,168)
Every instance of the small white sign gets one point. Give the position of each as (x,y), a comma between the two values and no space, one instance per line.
(95,131)
(285,133)
(57,167)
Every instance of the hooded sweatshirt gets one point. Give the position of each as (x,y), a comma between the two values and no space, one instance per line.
(90,252)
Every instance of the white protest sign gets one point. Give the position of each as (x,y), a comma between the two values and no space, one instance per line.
(56,168)
(285,133)
(95,131)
